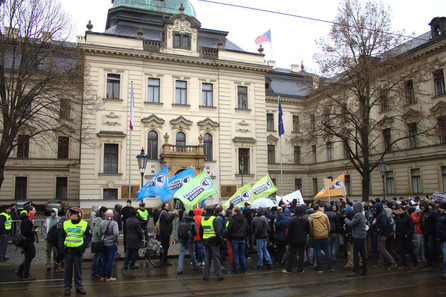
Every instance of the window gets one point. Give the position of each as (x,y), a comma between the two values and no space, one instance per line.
(298,184)
(61,187)
(297,155)
(23,146)
(270,122)
(180,139)
(348,185)
(409,91)
(207,146)
(313,122)
(110,194)
(65,109)
(207,94)
(20,187)
(390,187)
(329,151)
(113,82)
(181,41)
(384,100)
(243,157)
(63,147)
(242,97)
(271,154)
(346,150)
(110,158)
(315,188)
(387,140)
(152,145)
(180,92)
(313,149)
(153,93)
(413,135)
(416,180)
(443,175)
(442,129)
(439,82)
(296,122)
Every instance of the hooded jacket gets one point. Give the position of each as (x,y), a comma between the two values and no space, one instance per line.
(358,222)
(260,225)
(117,215)
(428,220)
(381,220)
(319,225)
(49,222)
(238,227)
(404,225)
(94,213)
(335,221)
(298,227)
(197,218)
(281,226)
(441,227)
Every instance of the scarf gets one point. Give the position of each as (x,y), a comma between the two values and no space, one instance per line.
(32,219)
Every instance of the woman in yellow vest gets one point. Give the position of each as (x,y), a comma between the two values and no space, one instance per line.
(5,229)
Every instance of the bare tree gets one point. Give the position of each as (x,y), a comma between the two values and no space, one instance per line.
(367,90)
(40,74)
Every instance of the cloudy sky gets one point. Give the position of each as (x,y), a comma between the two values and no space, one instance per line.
(293,38)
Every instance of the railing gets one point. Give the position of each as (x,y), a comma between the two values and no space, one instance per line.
(193,149)
(152,46)
(209,53)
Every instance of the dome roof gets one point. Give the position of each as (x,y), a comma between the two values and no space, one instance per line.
(166,6)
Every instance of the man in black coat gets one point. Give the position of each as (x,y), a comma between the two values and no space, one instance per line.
(382,229)
(404,236)
(126,213)
(428,227)
(298,229)
(335,229)
(237,232)
(134,239)
(441,232)
(166,226)
(248,213)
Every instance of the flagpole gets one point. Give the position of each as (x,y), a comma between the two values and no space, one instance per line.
(271,45)
(130,143)
(281,169)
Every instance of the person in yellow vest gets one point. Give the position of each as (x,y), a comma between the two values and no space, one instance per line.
(143,216)
(5,229)
(74,239)
(212,240)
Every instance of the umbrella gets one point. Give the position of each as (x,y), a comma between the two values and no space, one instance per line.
(263,203)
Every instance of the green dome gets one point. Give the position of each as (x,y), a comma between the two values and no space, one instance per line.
(167,6)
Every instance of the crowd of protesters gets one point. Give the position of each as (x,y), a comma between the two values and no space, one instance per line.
(321,231)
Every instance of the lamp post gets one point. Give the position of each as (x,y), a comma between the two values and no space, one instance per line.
(382,169)
(142,162)
(242,168)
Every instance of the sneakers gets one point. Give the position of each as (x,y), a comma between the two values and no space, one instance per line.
(19,274)
(331,270)
(286,271)
(180,272)
(320,271)
(353,274)
(301,272)
(111,279)
(102,279)
(393,266)
(29,278)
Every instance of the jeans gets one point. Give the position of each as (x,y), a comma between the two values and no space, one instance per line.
(443,248)
(334,244)
(212,252)
(359,248)
(405,246)
(299,249)
(262,251)
(199,251)
(322,244)
(96,263)
(190,246)
(130,256)
(418,245)
(238,254)
(431,249)
(107,262)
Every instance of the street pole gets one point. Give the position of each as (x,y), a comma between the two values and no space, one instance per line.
(384,187)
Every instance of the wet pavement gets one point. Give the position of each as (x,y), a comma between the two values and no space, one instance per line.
(164,281)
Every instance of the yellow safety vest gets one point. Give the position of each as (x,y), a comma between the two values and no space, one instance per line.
(23,211)
(144,215)
(75,233)
(208,227)
(8,221)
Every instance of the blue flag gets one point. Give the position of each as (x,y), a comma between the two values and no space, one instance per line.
(281,130)
(156,186)
(177,181)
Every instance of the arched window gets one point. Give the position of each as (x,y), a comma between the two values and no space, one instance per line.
(207,146)
(181,141)
(152,145)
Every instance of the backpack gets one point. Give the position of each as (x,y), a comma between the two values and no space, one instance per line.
(18,240)
(53,234)
(157,225)
(184,229)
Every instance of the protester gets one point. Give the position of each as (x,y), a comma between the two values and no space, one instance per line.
(212,240)
(29,231)
(134,239)
(441,232)
(335,230)
(166,226)
(126,213)
(220,217)
(358,224)
(50,248)
(428,227)
(198,240)
(5,230)
(280,227)
(404,236)
(109,233)
(260,227)
(247,212)
(319,231)
(117,217)
(382,226)
(237,232)
(187,230)
(97,248)
(298,229)
(418,241)
(94,212)
(75,237)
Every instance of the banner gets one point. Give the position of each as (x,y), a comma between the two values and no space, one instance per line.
(178,180)
(264,187)
(291,196)
(197,189)
(243,194)
(439,196)
(156,186)
(336,188)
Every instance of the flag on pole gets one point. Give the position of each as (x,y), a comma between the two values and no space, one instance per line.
(264,37)
(264,187)
(132,105)
(156,186)
(197,189)
(243,194)
(177,181)
(281,130)
(337,188)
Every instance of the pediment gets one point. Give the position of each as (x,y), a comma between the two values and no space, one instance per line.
(152,121)
(411,114)
(271,139)
(208,125)
(439,108)
(181,123)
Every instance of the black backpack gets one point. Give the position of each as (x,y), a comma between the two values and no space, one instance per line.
(184,229)
(53,234)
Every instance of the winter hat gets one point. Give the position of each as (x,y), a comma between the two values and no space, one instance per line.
(417,209)
(102,209)
(109,214)
(348,209)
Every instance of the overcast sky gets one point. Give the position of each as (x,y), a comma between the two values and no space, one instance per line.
(293,39)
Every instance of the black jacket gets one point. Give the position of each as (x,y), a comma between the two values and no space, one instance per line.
(381,220)
(134,233)
(441,227)
(298,229)
(27,229)
(335,221)
(126,212)
(166,224)
(238,227)
(260,226)
(404,225)
(428,222)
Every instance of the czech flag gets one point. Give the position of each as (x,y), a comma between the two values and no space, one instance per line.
(264,37)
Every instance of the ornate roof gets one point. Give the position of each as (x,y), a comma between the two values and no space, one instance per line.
(165,6)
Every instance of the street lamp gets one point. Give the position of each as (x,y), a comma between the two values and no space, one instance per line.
(162,162)
(142,162)
(382,169)
(242,168)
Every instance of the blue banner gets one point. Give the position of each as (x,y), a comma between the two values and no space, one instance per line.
(156,186)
